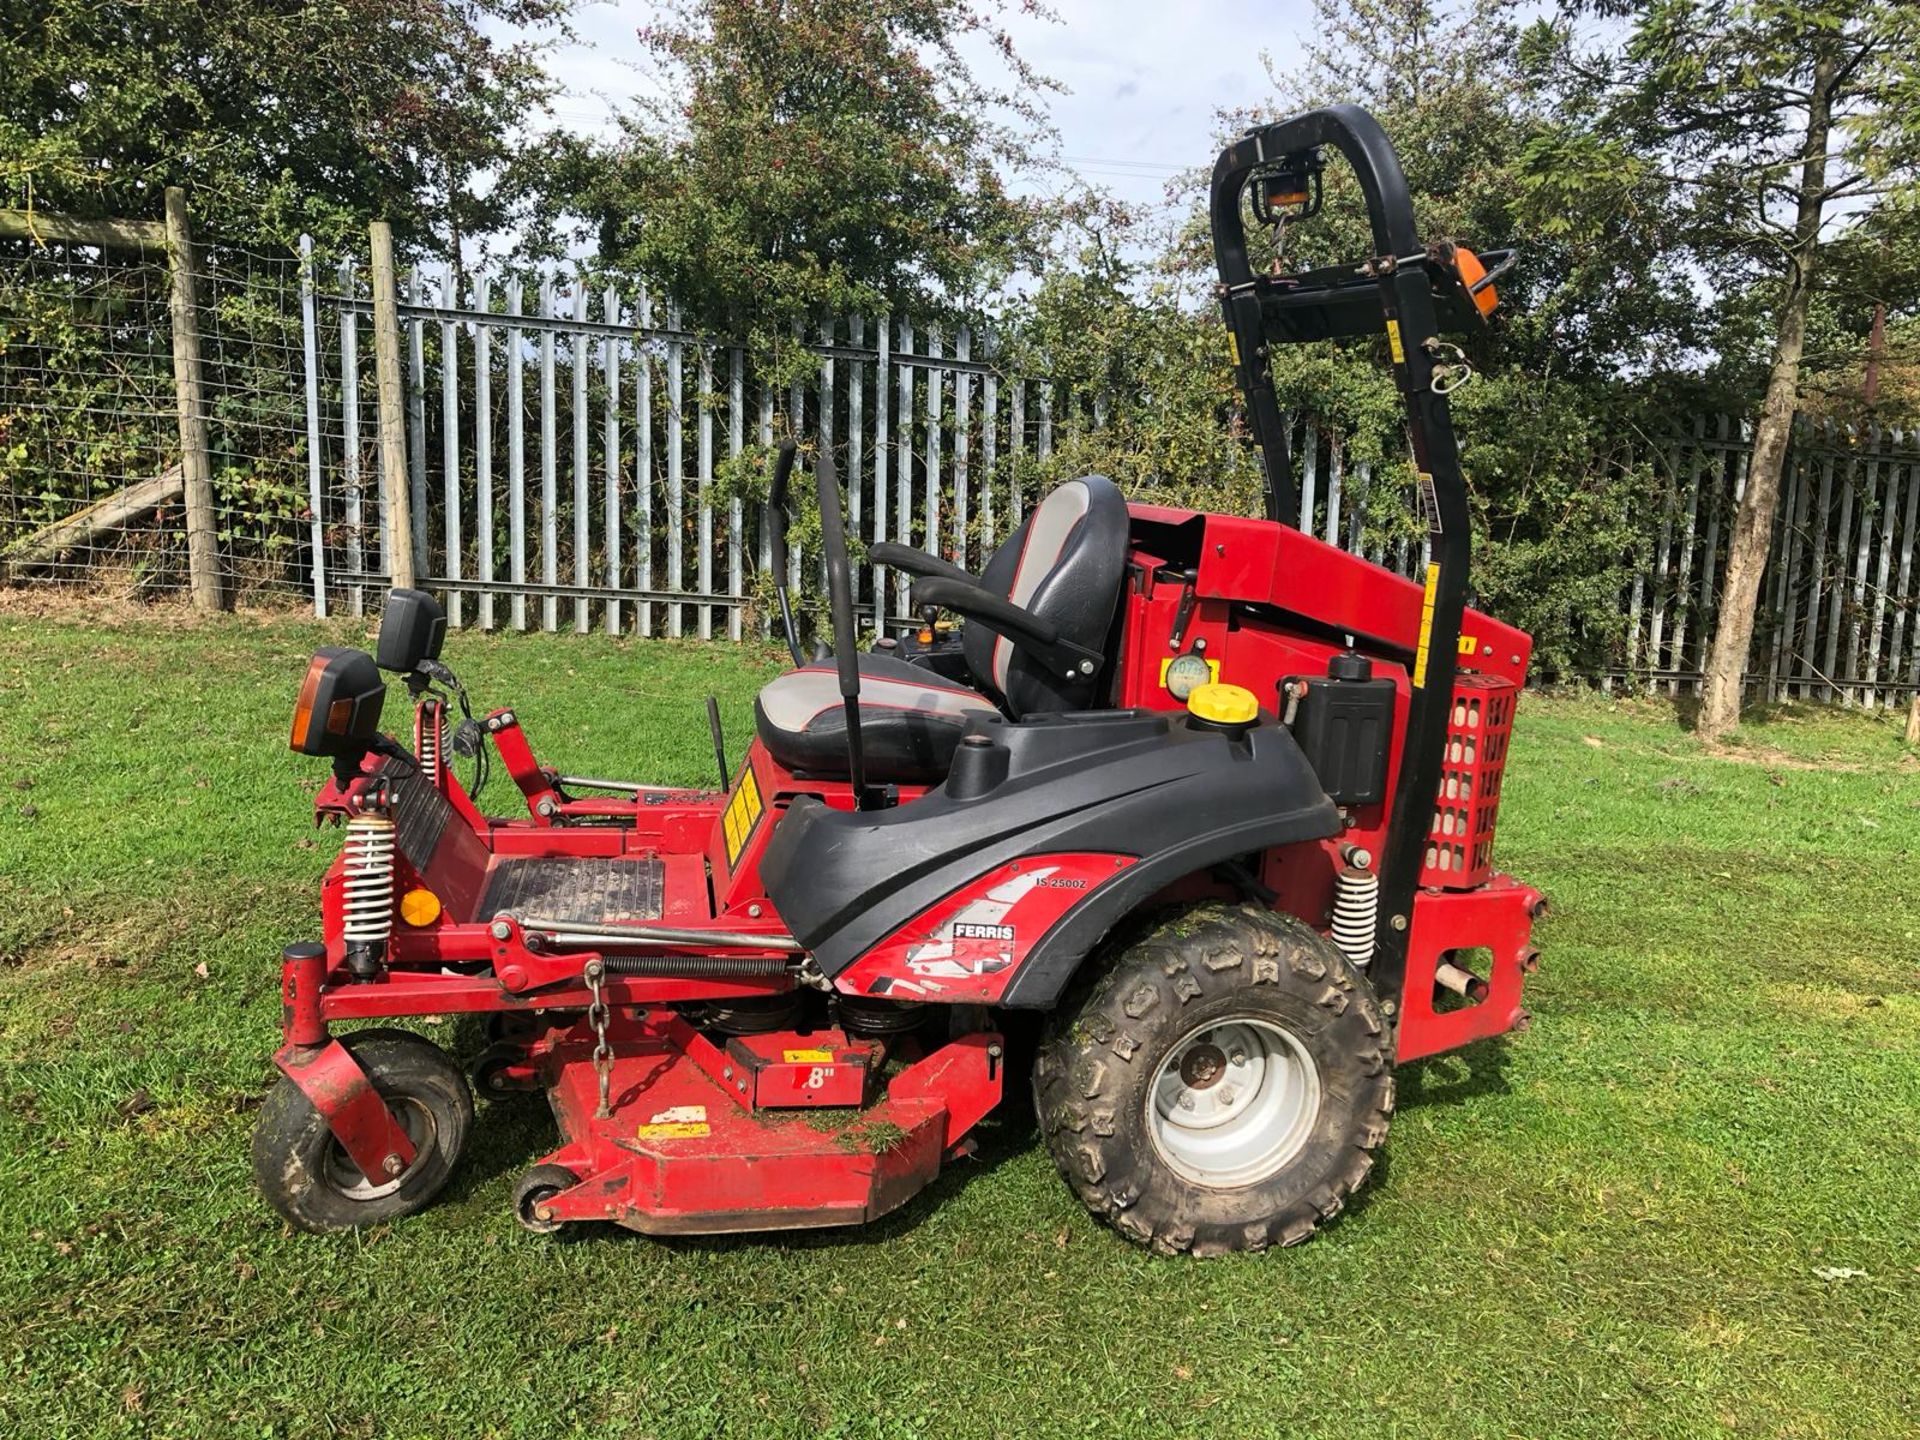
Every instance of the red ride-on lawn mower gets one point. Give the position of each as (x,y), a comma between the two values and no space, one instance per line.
(1214,799)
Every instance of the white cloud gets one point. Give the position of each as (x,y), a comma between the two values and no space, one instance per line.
(1146,78)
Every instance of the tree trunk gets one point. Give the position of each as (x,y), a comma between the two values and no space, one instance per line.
(1753,526)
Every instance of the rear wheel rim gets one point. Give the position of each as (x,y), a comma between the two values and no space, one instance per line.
(346,1180)
(1233,1103)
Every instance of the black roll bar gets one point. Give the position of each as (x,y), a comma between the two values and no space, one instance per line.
(1264,310)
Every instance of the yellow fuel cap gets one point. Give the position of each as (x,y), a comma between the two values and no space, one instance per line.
(1223,704)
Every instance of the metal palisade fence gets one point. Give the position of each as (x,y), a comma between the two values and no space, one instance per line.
(568,449)
(571,447)
(1839,610)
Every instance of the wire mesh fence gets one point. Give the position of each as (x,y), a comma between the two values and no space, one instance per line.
(90,473)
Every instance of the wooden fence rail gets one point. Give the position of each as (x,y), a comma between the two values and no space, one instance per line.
(192,476)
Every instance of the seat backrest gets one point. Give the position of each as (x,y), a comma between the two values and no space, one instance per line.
(1064,564)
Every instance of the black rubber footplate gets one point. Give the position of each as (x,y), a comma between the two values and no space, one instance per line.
(597,889)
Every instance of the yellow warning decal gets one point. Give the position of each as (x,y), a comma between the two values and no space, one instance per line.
(1426,628)
(807,1057)
(743,813)
(1393,343)
(1233,344)
(1468,645)
(674,1130)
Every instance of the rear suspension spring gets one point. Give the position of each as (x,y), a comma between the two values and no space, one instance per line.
(1356,911)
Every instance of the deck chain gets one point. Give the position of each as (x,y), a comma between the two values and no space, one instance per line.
(602,1051)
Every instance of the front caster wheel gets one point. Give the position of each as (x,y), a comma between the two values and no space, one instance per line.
(307,1175)
(534,1189)
(1222,1086)
(502,1070)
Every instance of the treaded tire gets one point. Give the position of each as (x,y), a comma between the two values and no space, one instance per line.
(1185,970)
(304,1173)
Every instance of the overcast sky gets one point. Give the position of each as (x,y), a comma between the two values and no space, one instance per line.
(1145,77)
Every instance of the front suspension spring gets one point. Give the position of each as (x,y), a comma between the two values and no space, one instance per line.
(367,879)
(429,728)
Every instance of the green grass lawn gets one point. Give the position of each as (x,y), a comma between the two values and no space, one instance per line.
(1686,1203)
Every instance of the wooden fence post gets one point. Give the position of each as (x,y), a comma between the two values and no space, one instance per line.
(393,422)
(196,467)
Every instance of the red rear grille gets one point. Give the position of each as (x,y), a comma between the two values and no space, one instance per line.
(1460,841)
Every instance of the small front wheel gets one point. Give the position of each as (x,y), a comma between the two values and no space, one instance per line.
(534,1189)
(307,1175)
(1222,1085)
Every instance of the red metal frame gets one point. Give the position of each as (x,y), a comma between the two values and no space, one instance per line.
(367,1130)
(1498,917)
(1459,852)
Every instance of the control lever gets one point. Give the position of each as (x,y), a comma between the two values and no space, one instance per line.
(833,540)
(777,518)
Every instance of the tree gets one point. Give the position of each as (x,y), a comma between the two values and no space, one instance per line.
(278,115)
(815,156)
(1776,125)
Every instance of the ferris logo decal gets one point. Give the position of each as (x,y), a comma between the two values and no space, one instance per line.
(963,930)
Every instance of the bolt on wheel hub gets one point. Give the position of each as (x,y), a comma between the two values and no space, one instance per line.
(1233,1102)
(1202,1066)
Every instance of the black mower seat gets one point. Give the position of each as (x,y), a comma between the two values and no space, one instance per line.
(911,720)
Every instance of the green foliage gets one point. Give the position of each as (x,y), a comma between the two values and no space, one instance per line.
(812,158)
(1104,329)
(1556,444)
(277,117)
(1688,126)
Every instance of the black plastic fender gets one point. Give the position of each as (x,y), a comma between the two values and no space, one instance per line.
(1115,782)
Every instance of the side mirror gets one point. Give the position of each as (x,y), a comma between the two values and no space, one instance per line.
(412,628)
(338,712)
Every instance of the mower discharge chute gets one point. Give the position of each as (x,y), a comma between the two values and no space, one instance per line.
(1204,805)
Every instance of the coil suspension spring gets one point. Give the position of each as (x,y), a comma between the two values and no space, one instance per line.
(429,738)
(695,967)
(367,880)
(1356,912)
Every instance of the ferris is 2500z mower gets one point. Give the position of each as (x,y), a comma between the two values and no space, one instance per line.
(1215,799)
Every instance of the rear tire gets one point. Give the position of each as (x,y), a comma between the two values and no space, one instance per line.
(1222,1085)
(307,1175)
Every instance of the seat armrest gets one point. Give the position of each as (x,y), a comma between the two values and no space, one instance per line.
(916,562)
(1016,623)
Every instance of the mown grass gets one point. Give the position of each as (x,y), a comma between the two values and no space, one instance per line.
(1625,1222)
